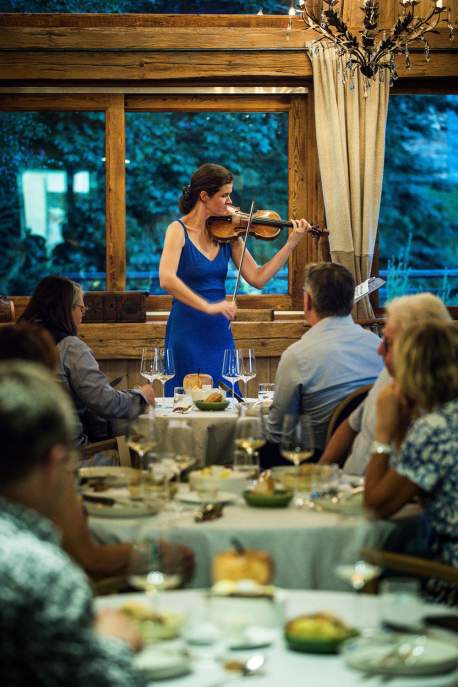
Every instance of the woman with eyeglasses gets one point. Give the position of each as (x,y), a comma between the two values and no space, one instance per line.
(57,304)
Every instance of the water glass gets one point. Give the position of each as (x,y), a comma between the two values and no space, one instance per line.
(266,391)
(400,604)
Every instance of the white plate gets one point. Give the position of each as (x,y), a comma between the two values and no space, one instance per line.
(194,498)
(253,637)
(346,505)
(113,476)
(131,509)
(401,655)
(157,664)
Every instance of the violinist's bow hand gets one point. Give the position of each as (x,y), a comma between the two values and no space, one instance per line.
(300,228)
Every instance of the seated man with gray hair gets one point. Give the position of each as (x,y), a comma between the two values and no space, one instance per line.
(352,440)
(49,633)
(332,359)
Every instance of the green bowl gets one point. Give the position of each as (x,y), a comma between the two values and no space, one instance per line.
(279,499)
(317,645)
(219,405)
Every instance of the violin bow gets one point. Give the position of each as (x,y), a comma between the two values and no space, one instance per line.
(250,219)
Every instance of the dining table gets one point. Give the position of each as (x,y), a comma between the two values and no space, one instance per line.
(213,431)
(305,544)
(282,666)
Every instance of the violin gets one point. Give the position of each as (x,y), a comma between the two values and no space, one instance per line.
(265,225)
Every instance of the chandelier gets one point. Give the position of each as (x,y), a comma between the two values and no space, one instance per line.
(375,52)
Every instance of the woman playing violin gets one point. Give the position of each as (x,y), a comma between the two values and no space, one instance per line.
(193,269)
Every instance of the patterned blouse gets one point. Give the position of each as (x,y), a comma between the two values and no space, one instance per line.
(429,458)
(46,613)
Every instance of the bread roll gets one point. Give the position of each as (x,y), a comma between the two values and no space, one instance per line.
(251,564)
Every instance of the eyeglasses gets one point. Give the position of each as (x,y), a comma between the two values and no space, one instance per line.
(83,308)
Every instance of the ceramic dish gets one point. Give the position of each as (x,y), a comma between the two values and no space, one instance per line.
(404,654)
(158,664)
(319,633)
(279,499)
(128,509)
(344,504)
(195,499)
(106,477)
(203,405)
(219,478)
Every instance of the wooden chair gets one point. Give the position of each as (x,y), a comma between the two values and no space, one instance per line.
(411,565)
(345,407)
(118,444)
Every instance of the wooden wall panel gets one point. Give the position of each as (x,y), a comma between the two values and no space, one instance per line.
(115,152)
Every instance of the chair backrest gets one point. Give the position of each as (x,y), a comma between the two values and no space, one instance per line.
(117,444)
(413,565)
(345,407)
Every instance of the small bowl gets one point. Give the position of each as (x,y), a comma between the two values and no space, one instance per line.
(202,394)
(235,482)
(203,405)
(316,643)
(279,499)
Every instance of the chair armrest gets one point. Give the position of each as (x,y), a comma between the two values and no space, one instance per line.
(422,567)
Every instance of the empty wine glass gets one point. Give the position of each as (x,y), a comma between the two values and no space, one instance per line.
(248,370)
(166,366)
(179,442)
(232,365)
(150,368)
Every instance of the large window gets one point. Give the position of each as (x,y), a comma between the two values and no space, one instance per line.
(90,182)
(418,236)
(163,149)
(52,198)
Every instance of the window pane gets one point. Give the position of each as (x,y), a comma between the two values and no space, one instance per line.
(148,6)
(418,237)
(164,148)
(52,198)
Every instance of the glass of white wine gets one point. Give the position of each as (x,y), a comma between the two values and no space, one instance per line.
(249,437)
(159,565)
(142,435)
(297,441)
(248,369)
(179,442)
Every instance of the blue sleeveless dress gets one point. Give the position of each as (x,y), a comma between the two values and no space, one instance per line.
(198,340)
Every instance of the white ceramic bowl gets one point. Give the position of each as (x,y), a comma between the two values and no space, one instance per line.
(220,479)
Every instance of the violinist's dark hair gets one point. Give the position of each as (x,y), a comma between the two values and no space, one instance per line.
(51,305)
(331,288)
(208,177)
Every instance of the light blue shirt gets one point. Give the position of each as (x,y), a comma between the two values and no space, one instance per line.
(332,359)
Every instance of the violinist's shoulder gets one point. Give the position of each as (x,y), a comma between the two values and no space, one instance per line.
(175,232)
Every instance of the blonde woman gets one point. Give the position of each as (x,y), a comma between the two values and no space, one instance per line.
(417,415)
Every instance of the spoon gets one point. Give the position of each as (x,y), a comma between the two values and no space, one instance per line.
(251,666)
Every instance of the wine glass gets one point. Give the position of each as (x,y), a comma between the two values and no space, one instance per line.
(248,370)
(297,440)
(150,367)
(179,442)
(232,365)
(158,565)
(141,435)
(166,366)
(249,434)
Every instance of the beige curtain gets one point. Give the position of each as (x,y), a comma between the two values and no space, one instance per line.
(350,131)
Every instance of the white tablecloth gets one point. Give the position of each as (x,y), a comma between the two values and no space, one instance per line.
(213,431)
(305,545)
(286,668)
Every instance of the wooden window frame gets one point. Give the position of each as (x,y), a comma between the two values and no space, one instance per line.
(303,181)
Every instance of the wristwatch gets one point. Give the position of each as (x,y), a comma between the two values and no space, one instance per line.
(379,448)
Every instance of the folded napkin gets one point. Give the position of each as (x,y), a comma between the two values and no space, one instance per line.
(183,407)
